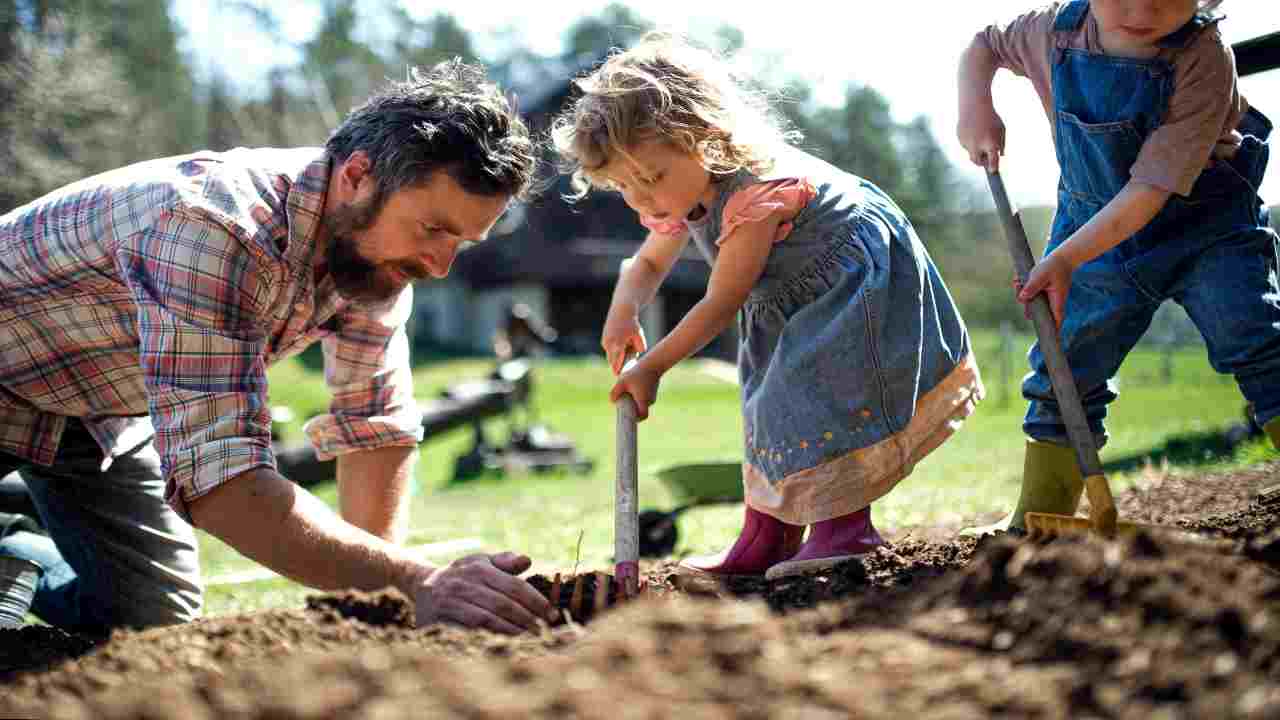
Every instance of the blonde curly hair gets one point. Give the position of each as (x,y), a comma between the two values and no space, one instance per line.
(666,88)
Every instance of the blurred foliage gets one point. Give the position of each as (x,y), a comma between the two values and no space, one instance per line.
(64,108)
(87,85)
(616,26)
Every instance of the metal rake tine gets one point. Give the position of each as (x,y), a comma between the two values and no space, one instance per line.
(555,592)
(575,604)
(602,591)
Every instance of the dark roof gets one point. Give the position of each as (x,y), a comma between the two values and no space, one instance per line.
(541,85)
(582,261)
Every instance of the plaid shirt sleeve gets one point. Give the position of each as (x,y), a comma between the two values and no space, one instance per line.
(367,370)
(200,295)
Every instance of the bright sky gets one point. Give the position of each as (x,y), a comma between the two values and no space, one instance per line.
(906,50)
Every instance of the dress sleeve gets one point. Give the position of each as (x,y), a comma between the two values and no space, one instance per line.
(664,227)
(757,202)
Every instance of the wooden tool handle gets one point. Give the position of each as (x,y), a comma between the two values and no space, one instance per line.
(1064,385)
(626,514)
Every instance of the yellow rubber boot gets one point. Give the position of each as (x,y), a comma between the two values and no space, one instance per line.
(1051,483)
(1272,429)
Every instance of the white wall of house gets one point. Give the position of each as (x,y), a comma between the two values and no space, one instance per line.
(451,313)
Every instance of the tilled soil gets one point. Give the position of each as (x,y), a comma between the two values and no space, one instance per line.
(933,626)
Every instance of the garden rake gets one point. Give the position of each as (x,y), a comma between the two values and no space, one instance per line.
(1102,507)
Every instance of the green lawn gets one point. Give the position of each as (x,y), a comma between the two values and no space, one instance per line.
(1172,410)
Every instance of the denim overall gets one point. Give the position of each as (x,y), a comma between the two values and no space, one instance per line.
(848,325)
(1211,252)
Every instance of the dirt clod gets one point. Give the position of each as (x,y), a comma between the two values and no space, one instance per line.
(933,625)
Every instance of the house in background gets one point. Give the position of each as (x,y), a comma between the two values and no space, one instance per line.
(561,259)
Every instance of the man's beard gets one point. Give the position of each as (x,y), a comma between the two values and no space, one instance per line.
(355,276)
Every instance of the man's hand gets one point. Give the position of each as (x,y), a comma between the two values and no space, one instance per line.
(481,591)
(291,531)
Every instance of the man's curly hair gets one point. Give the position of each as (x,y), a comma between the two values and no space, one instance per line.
(448,118)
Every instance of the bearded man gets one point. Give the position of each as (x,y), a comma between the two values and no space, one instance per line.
(141,308)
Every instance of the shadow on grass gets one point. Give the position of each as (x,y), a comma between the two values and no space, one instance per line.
(1189,450)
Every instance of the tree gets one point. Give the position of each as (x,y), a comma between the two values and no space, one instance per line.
(340,68)
(932,195)
(616,26)
(864,134)
(143,39)
(64,106)
(426,43)
(223,132)
(8,88)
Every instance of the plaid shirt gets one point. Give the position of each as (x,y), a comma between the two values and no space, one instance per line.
(150,301)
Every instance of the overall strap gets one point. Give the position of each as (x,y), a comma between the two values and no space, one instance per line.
(1071,17)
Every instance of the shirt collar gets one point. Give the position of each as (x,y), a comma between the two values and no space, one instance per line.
(305,207)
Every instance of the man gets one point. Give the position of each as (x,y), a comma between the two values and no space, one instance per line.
(139,310)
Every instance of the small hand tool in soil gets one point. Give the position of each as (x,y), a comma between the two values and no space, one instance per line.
(1102,507)
(582,596)
(591,593)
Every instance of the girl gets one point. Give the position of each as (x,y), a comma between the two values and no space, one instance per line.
(854,362)
(1160,160)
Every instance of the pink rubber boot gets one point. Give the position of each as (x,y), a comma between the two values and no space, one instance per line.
(831,542)
(764,541)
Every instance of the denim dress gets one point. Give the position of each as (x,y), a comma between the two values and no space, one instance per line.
(853,360)
(1212,252)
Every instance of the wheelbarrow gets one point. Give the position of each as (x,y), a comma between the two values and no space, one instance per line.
(694,485)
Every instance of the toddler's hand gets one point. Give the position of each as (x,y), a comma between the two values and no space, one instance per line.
(1052,276)
(641,384)
(981,132)
(622,336)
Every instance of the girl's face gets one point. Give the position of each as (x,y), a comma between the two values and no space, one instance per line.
(1133,27)
(664,183)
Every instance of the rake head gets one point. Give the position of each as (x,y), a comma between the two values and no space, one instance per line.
(1042,526)
(1046,525)
(591,594)
(1102,515)
(1102,518)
